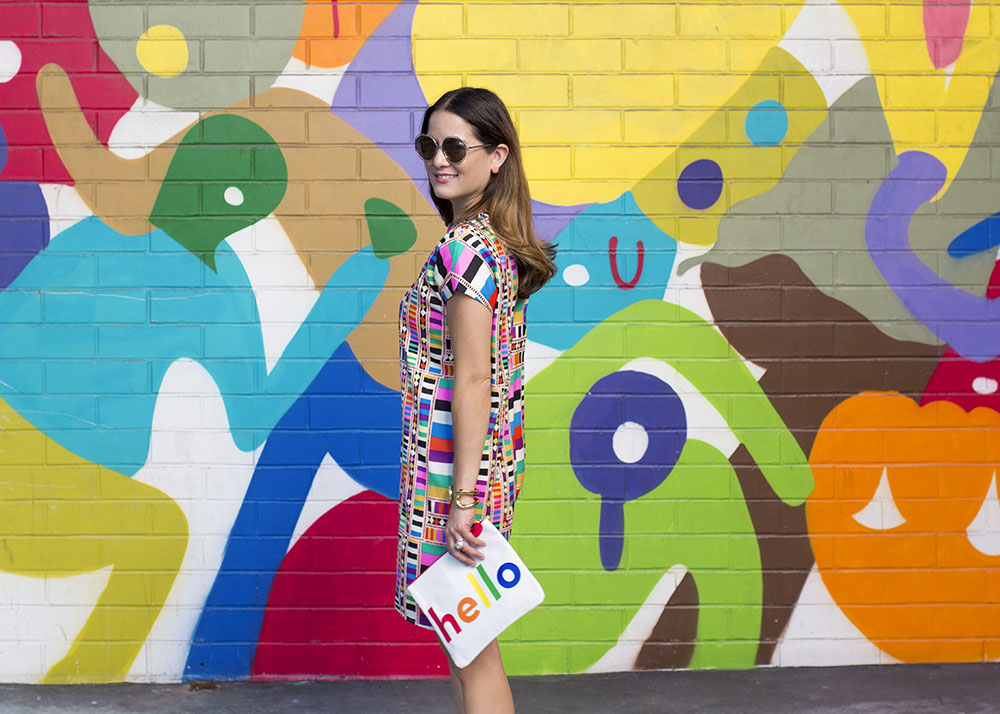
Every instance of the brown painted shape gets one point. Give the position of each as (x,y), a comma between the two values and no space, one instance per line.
(817,351)
(121,191)
(332,171)
(785,552)
(671,643)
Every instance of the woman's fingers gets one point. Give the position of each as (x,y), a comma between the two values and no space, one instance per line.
(470,545)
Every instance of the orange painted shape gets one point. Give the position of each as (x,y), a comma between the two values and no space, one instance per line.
(333,32)
(919,589)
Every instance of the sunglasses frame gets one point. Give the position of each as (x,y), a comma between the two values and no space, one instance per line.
(442,147)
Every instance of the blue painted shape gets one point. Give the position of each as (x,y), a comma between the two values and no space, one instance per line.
(700,184)
(341,412)
(24,225)
(560,314)
(766,123)
(616,399)
(985,235)
(169,326)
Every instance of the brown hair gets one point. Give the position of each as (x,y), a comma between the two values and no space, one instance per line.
(506,198)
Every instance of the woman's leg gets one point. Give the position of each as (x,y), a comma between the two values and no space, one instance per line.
(482,686)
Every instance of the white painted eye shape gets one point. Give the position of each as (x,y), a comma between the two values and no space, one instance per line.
(576,275)
(880,513)
(630,442)
(984,531)
(233,196)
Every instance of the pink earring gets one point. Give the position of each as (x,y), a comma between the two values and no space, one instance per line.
(495,169)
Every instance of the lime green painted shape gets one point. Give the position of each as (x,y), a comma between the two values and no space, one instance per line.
(390,229)
(697,517)
(227,174)
(587,608)
(680,338)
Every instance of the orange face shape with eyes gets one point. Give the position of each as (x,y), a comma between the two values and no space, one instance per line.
(905,525)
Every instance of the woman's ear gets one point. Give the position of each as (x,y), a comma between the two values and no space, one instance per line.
(499,156)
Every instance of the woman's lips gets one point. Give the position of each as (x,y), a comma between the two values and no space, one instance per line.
(444,178)
(945,22)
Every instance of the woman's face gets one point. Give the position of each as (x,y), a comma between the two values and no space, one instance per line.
(461,183)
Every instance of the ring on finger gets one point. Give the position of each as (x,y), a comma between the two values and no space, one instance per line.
(459,544)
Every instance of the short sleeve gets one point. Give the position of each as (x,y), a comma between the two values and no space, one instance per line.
(460,268)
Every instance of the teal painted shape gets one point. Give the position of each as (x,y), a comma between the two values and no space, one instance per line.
(563,312)
(391,230)
(219,153)
(89,377)
(766,123)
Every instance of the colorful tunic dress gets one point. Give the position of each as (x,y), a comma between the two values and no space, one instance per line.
(469,259)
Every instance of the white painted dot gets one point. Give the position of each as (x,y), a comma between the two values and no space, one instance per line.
(576,275)
(630,442)
(10,60)
(984,385)
(233,196)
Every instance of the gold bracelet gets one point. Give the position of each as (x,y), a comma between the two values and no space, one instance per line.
(455,496)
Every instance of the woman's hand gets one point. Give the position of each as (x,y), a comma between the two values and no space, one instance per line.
(460,526)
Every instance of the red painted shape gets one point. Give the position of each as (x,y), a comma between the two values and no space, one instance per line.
(953,381)
(330,611)
(945,22)
(613,257)
(477,528)
(954,377)
(62,33)
(993,288)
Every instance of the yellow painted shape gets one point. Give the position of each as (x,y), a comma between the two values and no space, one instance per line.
(162,50)
(617,56)
(747,170)
(61,515)
(482,596)
(910,85)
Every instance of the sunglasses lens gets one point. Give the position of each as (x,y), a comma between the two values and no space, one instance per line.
(426,147)
(454,149)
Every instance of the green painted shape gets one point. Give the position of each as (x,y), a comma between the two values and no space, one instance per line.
(697,517)
(218,153)
(391,230)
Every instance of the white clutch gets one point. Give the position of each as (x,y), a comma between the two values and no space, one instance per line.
(469,606)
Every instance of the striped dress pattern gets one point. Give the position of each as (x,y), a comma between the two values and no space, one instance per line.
(469,259)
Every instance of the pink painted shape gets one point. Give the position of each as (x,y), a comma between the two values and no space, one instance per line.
(59,32)
(330,611)
(944,28)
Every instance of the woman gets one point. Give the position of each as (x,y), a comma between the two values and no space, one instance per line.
(462,335)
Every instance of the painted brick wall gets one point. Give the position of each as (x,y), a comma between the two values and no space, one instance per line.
(762,417)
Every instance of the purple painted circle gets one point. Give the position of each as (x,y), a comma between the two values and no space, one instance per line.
(620,397)
(700,184)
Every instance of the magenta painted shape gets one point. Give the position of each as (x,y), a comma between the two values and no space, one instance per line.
(330,611)
(61,33)
(944,27)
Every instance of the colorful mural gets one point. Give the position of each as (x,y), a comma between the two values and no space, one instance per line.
(762,391)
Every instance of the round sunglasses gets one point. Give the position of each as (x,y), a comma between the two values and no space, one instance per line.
(454,148)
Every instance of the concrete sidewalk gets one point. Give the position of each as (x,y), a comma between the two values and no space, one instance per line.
(909,689)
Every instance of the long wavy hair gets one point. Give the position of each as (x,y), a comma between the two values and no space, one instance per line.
(506,198)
